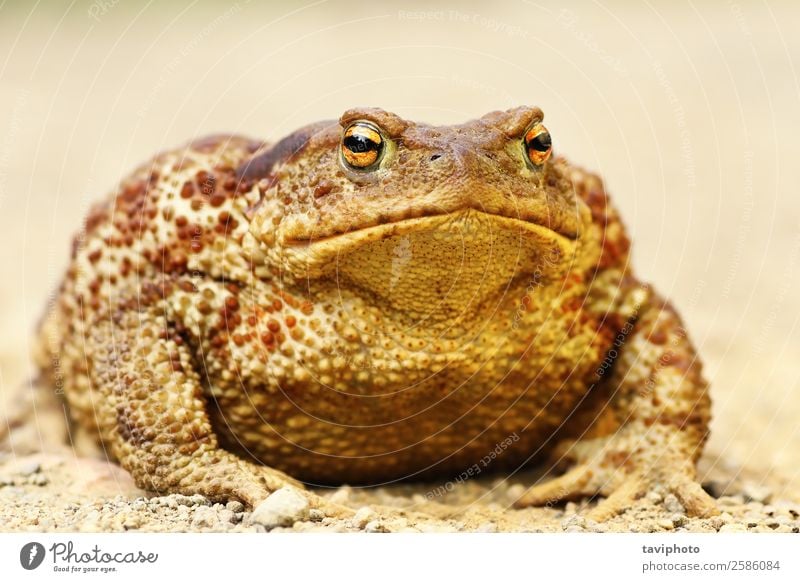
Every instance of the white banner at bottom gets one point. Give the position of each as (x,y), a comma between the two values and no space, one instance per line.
(390,557)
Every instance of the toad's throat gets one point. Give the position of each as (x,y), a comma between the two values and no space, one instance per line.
(447,267)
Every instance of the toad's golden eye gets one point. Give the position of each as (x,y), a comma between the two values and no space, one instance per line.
(537,144)
(362,145)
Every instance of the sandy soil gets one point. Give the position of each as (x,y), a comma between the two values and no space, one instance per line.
(68,493)
(690,114)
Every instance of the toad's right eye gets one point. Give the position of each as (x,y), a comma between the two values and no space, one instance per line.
(362,145)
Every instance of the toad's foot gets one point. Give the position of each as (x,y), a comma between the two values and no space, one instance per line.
(222,476)
(623,477)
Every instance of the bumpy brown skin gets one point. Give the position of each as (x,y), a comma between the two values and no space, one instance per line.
(237,312)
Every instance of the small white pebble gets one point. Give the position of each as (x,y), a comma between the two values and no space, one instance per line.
(573,521)
(227,516)
(515,491)
(132,521)
(672,504)
(29,468)
(341,495)
(39,479)
(756,492)
(363,516)
(282,508)
(205,517)
(654,497)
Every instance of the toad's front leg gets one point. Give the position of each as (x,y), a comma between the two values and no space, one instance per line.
(644,425)
(152,414)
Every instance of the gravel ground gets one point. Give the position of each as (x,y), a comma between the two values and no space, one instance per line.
(51,492)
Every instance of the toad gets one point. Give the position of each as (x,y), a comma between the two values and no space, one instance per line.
(369,300)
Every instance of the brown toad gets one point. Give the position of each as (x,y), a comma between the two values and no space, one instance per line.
(374,300)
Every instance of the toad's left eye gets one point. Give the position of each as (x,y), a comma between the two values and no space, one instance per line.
(362,145)
(538,145)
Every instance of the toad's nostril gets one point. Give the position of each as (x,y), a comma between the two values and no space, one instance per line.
(435,157)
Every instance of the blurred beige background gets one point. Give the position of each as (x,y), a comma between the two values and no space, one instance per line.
(689,110)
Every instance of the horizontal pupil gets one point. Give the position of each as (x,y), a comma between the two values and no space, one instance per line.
(541,143)
(360,144)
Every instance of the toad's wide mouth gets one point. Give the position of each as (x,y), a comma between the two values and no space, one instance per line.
(423,223)
(316,251)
